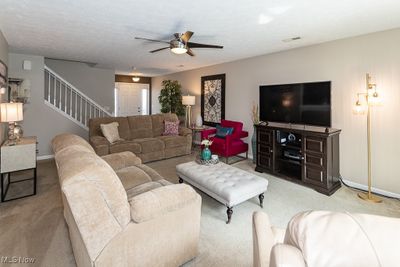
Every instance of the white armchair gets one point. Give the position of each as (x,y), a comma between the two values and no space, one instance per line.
(323,238)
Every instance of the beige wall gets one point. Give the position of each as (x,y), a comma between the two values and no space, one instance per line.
(96,83)
(39,119)
(345,63)
(4,58)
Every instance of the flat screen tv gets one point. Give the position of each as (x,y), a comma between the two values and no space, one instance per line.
(299,103)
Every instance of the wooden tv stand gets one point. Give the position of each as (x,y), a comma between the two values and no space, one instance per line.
(310,157)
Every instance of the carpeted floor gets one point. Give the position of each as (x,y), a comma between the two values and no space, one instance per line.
(34,226)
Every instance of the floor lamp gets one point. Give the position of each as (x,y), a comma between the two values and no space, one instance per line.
(188,101)
(371,98)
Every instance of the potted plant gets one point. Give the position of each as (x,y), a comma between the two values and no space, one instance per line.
(255,117)
(171,98)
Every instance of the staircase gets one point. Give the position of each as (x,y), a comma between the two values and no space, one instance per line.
(66,99)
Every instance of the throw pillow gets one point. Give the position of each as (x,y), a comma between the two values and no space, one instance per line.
(222,132)
(110,131)
(171,128)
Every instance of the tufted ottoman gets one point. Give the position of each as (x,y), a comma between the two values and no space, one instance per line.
(226,184)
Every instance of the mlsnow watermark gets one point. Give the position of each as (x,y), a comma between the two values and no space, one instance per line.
(16,259)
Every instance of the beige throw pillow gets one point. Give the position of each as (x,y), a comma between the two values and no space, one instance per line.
(110,131)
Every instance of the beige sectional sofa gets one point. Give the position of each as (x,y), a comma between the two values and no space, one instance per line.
(143,136)
(122,213)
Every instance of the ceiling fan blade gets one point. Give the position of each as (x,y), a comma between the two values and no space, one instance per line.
(197,45)
(190,52)
(152,40)
(177,35)
(186,36)
(153,51)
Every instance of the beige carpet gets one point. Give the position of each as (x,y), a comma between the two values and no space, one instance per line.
(34,226)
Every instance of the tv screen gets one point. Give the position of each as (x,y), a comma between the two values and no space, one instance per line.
(300,103)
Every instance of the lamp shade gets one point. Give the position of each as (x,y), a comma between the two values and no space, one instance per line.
(11,112)
(188,100)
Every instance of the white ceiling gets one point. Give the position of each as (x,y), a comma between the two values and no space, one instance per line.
(103,31)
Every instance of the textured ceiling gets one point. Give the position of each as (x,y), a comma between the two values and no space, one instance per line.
(103,31)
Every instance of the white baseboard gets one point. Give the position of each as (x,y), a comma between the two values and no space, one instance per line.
(373,189)
(45,157)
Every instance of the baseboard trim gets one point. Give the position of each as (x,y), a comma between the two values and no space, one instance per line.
(373,189)
(45,157)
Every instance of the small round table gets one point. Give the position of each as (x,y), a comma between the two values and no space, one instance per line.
(196,130)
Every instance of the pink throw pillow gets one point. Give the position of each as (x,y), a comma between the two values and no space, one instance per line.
(171,128)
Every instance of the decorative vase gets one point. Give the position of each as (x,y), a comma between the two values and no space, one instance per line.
(206,154)
(253,145)
(199,121)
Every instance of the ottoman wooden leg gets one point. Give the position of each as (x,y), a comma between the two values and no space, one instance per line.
(180,180)
(229,211)
(261,198)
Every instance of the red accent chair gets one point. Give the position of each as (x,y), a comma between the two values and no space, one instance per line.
(232,144)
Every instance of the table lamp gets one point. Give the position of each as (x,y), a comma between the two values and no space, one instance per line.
(11,113)
(188,101)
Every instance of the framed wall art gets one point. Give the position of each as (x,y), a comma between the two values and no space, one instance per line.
(3,73)
(213,99)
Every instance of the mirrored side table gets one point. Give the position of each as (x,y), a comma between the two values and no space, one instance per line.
(17,158)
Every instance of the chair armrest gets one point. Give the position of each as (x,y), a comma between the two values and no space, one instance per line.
(100,145)
(159,201)
(244,134)
(121,160)
(205,134)
(263,239)
(286,255)
(183,131)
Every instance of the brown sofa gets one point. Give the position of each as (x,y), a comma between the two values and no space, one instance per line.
(143,136)
(120,212)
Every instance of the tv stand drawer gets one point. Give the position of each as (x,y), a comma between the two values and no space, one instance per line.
(265,136)
(315,144)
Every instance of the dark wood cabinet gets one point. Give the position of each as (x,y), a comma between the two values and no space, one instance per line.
(265,149)
(302,154)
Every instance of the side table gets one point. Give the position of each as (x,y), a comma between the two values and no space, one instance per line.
(14,158)
(196,130)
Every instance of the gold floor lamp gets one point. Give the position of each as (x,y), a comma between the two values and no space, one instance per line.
(371,98)
(188,101)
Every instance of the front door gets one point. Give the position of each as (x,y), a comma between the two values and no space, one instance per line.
(131,99)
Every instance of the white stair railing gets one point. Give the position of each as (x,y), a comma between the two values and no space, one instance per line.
(69,101)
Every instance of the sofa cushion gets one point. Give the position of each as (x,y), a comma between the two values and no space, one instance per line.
(222,132)
(150,144)
(154,176)
(125,146)
(158,122)
(237,127)
(132,176)
(140,189)
(75,164)
(171,128)
(110,131)
(123,128)
(355,237)
(122,160)
(62,141)
(140,126)
(96,226)
(173,141)
(161,200)
(74,155)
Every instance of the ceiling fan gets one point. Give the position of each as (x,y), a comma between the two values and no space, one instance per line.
(180,44)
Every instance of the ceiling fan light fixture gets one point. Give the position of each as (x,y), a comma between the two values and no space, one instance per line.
(178,47)
(135,79)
